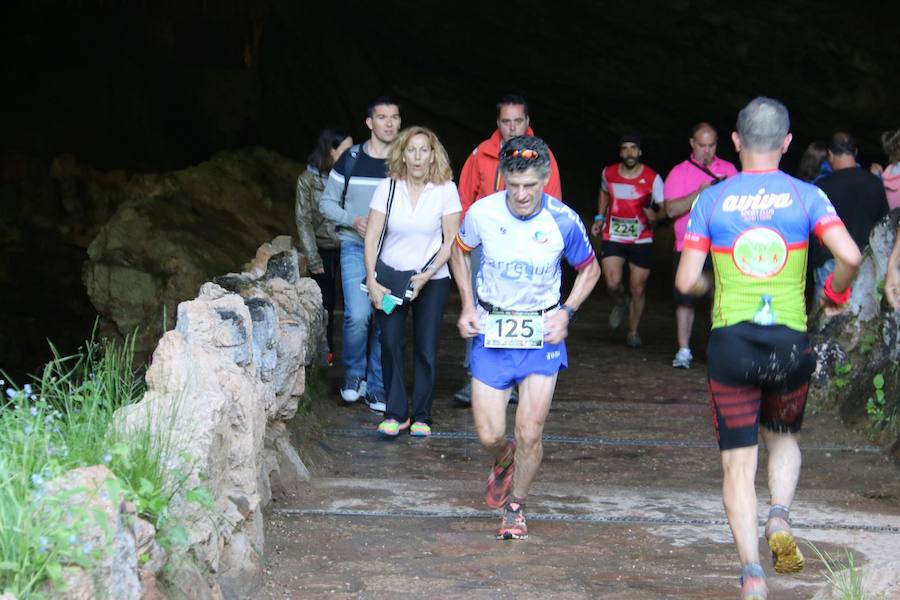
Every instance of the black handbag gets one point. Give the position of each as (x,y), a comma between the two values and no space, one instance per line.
(398,282)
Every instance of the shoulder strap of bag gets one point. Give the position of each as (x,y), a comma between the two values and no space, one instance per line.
(702,168)
(348,170)
(387,214)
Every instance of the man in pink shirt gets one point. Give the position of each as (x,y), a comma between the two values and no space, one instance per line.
(684,183)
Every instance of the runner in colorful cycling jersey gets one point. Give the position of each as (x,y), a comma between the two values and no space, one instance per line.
(632,193)
(757,225)
(517,322)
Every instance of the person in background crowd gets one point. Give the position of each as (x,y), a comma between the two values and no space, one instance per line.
(857,196)
(890,176)
(345,202)
(683,185)
(316,235)
(481,176)
(814,162)
(892,276)
(421,224)
(630,197)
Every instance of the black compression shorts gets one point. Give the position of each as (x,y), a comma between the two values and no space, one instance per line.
(640,255)
(757,375)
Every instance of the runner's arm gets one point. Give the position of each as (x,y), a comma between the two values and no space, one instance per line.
(461,267)
(585,281)
(689,279)
(846,256)
(602,204)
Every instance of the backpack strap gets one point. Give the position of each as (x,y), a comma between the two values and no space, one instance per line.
(348,168)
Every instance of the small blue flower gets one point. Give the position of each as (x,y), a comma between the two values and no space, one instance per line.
(43,544)
(2,382)
(11,393)
(36,479)
(27,389)
(86,549)
(72,539)
(48,419)
(107,458)
(34,411)
(33,396)
(29,430)
(91,374)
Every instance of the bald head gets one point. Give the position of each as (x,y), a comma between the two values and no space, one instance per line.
(703,143)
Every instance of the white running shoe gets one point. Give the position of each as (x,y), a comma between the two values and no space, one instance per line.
(683,359)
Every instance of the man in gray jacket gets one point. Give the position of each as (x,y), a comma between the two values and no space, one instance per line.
(345,202)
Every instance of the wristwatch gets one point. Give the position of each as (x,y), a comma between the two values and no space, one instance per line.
(569,311)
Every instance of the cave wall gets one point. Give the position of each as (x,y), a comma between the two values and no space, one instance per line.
(140,87)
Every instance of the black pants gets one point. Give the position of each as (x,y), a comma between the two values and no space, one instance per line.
(331,261)
(427,311)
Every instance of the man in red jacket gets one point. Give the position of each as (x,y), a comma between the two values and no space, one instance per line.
(481,177)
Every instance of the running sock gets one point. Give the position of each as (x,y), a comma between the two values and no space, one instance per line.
(752,570)
(780,511)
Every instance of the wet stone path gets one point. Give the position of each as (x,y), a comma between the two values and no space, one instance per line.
(627,503)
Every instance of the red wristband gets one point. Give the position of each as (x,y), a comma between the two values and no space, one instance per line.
(839,299)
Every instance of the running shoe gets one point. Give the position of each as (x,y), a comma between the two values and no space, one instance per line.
(512,523)
(683,359)
(633,340)
(617,314)
(392,427)
(353,389)
(753,583)
(786,555)
(500,480)
(420,429)
(375,400)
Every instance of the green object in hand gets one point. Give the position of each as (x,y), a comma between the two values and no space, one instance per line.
(388,304)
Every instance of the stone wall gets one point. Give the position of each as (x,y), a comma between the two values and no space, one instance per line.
(861,342)
(227,378)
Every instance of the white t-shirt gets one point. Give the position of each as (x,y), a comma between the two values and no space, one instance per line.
(413,236)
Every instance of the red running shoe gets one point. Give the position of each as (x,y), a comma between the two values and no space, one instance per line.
(500,480)
(512,523)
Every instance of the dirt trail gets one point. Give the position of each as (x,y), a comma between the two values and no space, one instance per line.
(627,503)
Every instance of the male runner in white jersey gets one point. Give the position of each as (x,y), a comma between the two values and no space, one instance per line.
(517,322)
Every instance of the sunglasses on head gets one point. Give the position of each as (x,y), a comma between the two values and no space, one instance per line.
(526,154)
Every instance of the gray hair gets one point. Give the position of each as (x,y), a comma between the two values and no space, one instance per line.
(536,155)
(763,124)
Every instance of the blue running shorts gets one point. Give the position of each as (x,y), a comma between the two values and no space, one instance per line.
(502,368)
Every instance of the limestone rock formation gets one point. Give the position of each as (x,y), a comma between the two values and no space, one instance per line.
(861,342)
(106,532)
(174,231)
(221,385)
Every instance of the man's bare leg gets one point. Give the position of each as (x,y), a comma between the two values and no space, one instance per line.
(783,474)
(684,323)
(739,495)
(489,413)
(637,285)
(535,396)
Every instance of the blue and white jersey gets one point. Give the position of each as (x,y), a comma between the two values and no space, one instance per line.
(520,257)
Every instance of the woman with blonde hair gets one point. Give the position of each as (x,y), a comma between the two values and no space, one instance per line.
(413,221)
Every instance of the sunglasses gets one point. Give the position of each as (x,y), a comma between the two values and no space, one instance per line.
(526,154)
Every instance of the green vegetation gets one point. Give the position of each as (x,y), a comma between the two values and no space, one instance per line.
(845,578)
(841,370)
(64,420)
